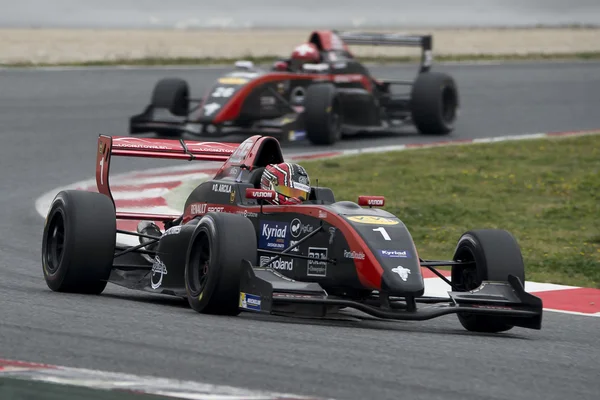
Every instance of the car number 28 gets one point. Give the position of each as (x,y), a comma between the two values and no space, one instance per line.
(383,232)
(223,92)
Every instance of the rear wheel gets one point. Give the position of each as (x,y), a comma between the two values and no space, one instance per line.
(78,242)
(214,263)
(434,103)
(322,114)
(496,255)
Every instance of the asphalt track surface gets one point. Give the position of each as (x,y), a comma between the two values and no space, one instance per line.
(49,122)
(305,14)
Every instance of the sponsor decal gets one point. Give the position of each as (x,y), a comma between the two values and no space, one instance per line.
(172,231)
(369,219)
(279,264)
(241,74)
(221,188)
(317,268)
(232,197)
(296,135)
(287,120)
(294,249)
(241,152)
(395,253)
(340,65)
(281,87)
(232,80)
(347,78)
(141,146)
(247,214)
(297,95)
(273,235)
(211,108)
(198,208)
(159,269)
(136,143)
(223,92)
(203,208)
(402,272)
(355,255)
(322,214)
(427,58)
(267,101)
(249,301)
(331,234)
(260,194)
(336,42)
(297,228)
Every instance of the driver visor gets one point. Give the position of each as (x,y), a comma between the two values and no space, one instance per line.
(298,190)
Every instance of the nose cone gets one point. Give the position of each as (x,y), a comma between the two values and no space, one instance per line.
(403,279)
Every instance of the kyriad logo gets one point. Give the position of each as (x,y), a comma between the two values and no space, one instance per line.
(273,235)
(355,255)
(395,253)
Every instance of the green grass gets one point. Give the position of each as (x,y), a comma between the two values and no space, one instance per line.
(159,61)
(545,192)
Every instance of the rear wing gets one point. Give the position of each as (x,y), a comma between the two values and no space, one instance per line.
(126,146)
(425,42)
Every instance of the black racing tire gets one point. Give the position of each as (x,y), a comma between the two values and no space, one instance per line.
(78,243)
(434,103)
(323,114)
(214,262)
(172,94)
(497,255)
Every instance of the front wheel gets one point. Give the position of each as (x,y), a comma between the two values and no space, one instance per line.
(219,244)
(323,114)
(78,243)
(496,255)
(434,103)
(172,94)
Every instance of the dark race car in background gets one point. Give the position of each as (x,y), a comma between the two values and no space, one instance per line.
(322,102)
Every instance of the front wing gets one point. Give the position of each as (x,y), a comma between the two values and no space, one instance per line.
(289,127)
(266,291)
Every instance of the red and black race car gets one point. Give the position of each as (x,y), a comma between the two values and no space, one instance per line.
(229,252)
(321,93)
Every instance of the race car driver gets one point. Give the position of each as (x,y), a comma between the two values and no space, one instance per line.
(306,53)
(290,182)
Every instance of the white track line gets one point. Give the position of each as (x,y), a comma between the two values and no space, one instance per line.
(136,383)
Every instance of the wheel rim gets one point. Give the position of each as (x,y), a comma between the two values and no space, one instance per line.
(467,276)
(469,279)
(55,242)
(200,266)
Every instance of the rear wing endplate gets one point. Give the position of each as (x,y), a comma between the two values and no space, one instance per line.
(125,146)
(425,42)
